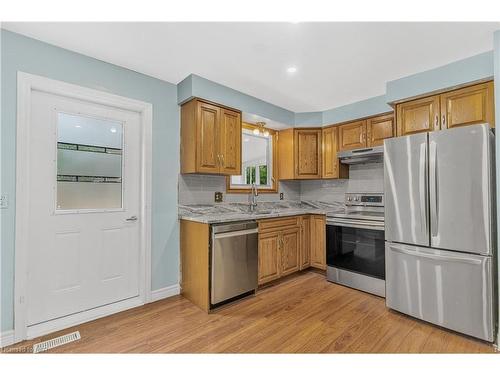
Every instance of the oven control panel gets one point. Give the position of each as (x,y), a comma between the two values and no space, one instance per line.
(364,199)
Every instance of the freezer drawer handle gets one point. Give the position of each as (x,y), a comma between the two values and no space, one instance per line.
(236,233)
(434,256)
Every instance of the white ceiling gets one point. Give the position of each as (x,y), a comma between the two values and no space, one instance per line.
(338,63)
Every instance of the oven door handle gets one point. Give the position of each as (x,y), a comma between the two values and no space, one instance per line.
(356,224)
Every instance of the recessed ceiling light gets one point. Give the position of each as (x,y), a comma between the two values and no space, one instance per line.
(113,130)
(291,69)
(78,126)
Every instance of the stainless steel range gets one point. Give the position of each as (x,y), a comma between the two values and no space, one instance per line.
(355,249)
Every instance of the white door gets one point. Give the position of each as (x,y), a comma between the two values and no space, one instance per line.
(84,205)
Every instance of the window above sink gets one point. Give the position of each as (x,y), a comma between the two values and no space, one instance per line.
(258,161)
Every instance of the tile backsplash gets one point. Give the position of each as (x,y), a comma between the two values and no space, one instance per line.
(200,189)
(363,178)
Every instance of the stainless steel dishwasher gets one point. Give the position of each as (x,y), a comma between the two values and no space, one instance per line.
(234,253)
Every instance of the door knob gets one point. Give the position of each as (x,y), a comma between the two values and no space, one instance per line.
(131,218)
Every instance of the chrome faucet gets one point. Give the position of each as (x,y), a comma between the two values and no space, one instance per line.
(253,198)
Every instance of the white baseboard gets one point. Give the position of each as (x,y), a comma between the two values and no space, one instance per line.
(82,317)
(166,292)
(6,338)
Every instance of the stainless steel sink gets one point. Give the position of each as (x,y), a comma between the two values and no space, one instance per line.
(261,212)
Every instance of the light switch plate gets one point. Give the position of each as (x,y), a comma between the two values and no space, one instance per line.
(4,201)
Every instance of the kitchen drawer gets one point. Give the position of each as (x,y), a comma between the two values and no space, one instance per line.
(278,223)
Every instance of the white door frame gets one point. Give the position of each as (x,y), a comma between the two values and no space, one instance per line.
(26,83)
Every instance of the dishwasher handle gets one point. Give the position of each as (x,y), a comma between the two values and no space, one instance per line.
(235,233)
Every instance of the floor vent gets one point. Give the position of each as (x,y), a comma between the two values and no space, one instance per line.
(58,341)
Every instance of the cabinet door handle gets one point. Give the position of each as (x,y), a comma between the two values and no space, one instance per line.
(222,159)
(443,122)
(437,123)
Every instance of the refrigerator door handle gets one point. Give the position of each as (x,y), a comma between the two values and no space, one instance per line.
(433,186)
(444,258)
(423,188)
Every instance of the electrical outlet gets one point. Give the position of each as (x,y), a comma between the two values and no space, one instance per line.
(282,196)
(4,201)
(218,197)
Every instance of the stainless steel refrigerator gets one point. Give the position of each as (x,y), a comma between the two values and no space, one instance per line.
(440,228)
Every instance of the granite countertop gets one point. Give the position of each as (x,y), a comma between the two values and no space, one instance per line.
(227,212)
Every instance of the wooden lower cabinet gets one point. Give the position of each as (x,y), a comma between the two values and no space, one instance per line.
(305,246)
(290,244)
(195,248)
(318,241)
(290,251)
(269,257)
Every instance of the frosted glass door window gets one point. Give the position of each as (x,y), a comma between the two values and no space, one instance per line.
(89,162)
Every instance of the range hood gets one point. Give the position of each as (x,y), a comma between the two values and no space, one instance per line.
(361,156)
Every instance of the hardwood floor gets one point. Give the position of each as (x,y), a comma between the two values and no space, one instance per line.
(304,313)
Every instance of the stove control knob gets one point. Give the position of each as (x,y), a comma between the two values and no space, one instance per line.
(349,199)
(356,199)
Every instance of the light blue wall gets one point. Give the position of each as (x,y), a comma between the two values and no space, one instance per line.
(496,51)
(196,86)
(471,69)
(364,108)
(19,53)
(308,119)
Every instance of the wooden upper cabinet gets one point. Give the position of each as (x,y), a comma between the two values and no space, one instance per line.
(207,148)
(299,154)
(290,251)
(230,142)
(331,167)
(352,135)
(417,116)
(379,128)
(269,259)
(210,139)
(318,241)
(307,153)
(468,106)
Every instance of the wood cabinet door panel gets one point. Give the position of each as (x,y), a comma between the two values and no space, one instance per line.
(230,142)
(269,259)
(352,135)
(318,242)
(307,153)
(290,254)
(379,128)
(467,106)
(418,116)
(329,139)
(207,147)
(305,246)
